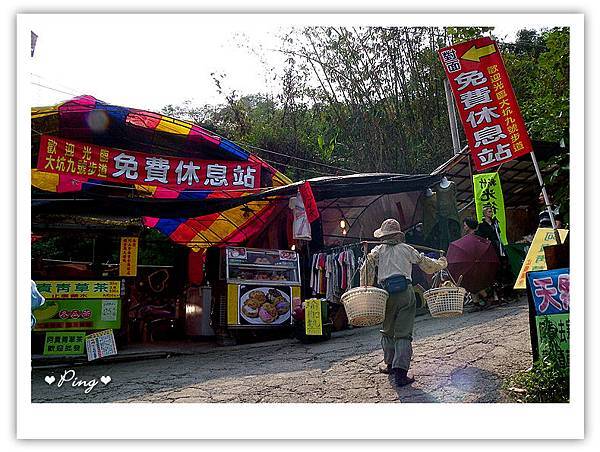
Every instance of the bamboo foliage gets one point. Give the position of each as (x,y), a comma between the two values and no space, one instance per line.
(385,89)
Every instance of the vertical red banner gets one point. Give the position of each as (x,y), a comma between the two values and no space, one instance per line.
(486,102)
(310,205)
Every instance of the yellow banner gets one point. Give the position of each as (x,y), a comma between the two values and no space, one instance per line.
(488,193)
(536,259)
(313,320)
(79,289)
(128,257)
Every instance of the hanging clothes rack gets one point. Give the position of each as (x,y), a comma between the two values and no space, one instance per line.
(333,269)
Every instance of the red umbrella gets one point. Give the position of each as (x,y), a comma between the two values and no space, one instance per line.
(475,259)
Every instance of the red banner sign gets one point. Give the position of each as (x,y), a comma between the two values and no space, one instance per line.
(486,102)
(310,205)
(62,156)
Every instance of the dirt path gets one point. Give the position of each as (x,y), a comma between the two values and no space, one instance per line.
(463,359)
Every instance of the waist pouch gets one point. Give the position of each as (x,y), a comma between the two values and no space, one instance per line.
(396,283)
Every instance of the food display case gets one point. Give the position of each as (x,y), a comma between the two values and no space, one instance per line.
(259,288)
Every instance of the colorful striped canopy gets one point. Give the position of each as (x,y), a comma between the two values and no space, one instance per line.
(90,120)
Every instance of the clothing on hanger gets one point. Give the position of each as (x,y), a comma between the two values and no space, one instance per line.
(333,272)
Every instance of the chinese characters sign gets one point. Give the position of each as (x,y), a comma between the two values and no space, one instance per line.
(488,193)
(313,319)
(78,305)
(536,259)
(550,290)
(78,314)
(64,343)
(486,102)
(128,256)
(100,344)
(79,289)
(74,158)
(549,314)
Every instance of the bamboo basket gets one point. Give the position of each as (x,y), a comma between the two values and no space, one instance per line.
(447,300)
(365,306)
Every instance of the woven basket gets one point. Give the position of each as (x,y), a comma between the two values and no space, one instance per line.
(445,301)
(365,306)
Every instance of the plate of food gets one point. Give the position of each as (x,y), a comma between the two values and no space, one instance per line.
(237,253)
(265,306)
(285,255)
(263,260)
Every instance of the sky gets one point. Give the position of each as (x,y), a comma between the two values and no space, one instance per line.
(147,63)
(150,61)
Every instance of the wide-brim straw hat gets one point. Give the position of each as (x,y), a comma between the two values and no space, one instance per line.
(389,228)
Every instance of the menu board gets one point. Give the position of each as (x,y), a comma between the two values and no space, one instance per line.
(264,304)
(101,344)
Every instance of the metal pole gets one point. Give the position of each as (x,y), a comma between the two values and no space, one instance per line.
(468,205)
(546,200)
(452,117)
(472,185)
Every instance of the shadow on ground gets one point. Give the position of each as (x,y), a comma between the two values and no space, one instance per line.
(285,365)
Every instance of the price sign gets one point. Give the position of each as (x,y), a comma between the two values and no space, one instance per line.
(101,344)
(313,319)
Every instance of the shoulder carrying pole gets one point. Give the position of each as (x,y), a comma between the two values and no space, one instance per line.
(419,247)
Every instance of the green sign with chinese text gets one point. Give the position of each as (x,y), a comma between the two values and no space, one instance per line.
(553,335)
(79,289)
(488,193)
(78,315)
(64,343)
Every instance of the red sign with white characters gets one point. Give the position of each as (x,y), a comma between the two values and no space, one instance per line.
(63,156)
(486,102)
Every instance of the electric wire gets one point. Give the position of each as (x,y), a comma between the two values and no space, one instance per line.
(296,158)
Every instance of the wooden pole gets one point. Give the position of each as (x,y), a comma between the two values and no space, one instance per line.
(419,247)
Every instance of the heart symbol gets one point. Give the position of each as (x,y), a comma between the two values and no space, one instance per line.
(49,379)
(105,379)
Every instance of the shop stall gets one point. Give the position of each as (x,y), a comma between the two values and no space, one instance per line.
(74,309)
(209,193)
(155,160)
(256,288)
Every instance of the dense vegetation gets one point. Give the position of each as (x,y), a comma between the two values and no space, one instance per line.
(372,99)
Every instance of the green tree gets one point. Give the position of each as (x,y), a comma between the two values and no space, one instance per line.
(538,65)
(372,99)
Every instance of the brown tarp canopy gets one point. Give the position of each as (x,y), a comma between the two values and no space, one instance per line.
(520,185)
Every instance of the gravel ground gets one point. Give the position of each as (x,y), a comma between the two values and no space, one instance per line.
(463,359)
